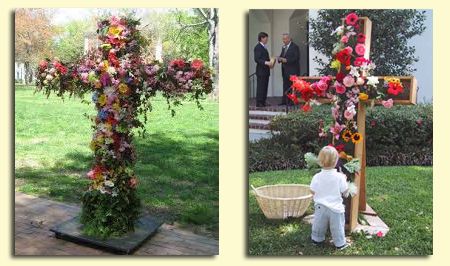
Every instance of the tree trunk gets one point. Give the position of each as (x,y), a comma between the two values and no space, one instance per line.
(28,73)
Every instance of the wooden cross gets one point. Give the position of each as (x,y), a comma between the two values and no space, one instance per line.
(358,202)
(122,85)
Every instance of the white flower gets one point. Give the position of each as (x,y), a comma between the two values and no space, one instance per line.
(360,81)
(352,189)
(354,71)
(111,70)
(372,81)
(109,183)
(339,30)
(49,77)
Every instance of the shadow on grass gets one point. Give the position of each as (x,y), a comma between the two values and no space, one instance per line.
(179,177)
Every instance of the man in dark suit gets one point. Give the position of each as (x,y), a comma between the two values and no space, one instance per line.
(289,59)
(263,65)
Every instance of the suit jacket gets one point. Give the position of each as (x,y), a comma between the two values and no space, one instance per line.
(292,55)
(261,55)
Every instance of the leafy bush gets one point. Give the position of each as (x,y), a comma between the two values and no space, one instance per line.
(402,135)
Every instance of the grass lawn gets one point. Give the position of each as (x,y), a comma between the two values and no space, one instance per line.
(178,161)
(402,196)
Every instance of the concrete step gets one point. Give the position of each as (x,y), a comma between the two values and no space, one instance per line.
(258,124)
(263,115)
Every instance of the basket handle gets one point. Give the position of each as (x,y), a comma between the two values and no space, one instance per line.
(254,189)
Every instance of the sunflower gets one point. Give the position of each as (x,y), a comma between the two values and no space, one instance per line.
(347,135)
(356,138)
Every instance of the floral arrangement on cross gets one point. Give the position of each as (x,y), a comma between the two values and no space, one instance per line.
(122,85)
(353,84)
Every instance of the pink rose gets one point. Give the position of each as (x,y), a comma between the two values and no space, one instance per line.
(344,39)
(388,104)
(351,19)
(360,49)
(349,81)
(348,115)
(339,88)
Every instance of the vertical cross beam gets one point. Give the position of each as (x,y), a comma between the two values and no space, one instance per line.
(358,202)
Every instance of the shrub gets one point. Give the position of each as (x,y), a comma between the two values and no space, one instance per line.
(402,135)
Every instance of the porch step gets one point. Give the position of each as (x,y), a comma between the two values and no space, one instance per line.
(257,134)
(259,124)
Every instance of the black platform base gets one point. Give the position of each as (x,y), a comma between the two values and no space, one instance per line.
(145,227)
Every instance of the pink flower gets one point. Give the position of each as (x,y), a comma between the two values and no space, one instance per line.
(360,49)
(361,38)
(336,130)
(335,112)
(339,88)
(388,104)
(349,81)
(348,115)
(344,39)
(380,234)
(349,49)
(351,19)
(322,85)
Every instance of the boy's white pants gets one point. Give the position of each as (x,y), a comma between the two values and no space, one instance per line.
(324,217)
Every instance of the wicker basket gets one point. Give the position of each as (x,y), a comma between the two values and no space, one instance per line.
(283,201)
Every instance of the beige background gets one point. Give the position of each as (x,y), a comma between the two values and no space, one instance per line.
(233,132)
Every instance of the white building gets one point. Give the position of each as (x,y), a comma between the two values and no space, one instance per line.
(295,22)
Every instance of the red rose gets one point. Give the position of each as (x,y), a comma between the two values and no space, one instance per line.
(197,64)
(351,19)
(344,57)
(361,38)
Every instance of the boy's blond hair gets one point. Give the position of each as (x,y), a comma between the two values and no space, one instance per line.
(328,157)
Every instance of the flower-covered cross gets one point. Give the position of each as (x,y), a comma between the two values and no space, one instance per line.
(122,85)
(349,91)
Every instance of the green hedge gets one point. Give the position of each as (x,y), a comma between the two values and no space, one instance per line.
(402,135)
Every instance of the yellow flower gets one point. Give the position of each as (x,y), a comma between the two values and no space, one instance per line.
(123,88)
(346,135)
(363,96)
(105,65)
(116,106)
(114,30)
(102,99)
(336,64)
(356,138)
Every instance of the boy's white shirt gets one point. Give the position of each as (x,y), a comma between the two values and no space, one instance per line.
(328,186)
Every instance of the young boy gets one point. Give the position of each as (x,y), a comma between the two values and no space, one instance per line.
(327,188)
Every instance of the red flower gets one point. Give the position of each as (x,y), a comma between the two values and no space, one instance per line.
(113,59)
(351,19)
(395,88)
(111,120)
(179,63)
(43,64)
(344,57)
(293,98)
(373,123)
(359,61)
(306,107)
(419,122)
(361,38)
(380,234)
(133,182)
(340,77)
(293,78)
(197,64)
(339,147)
